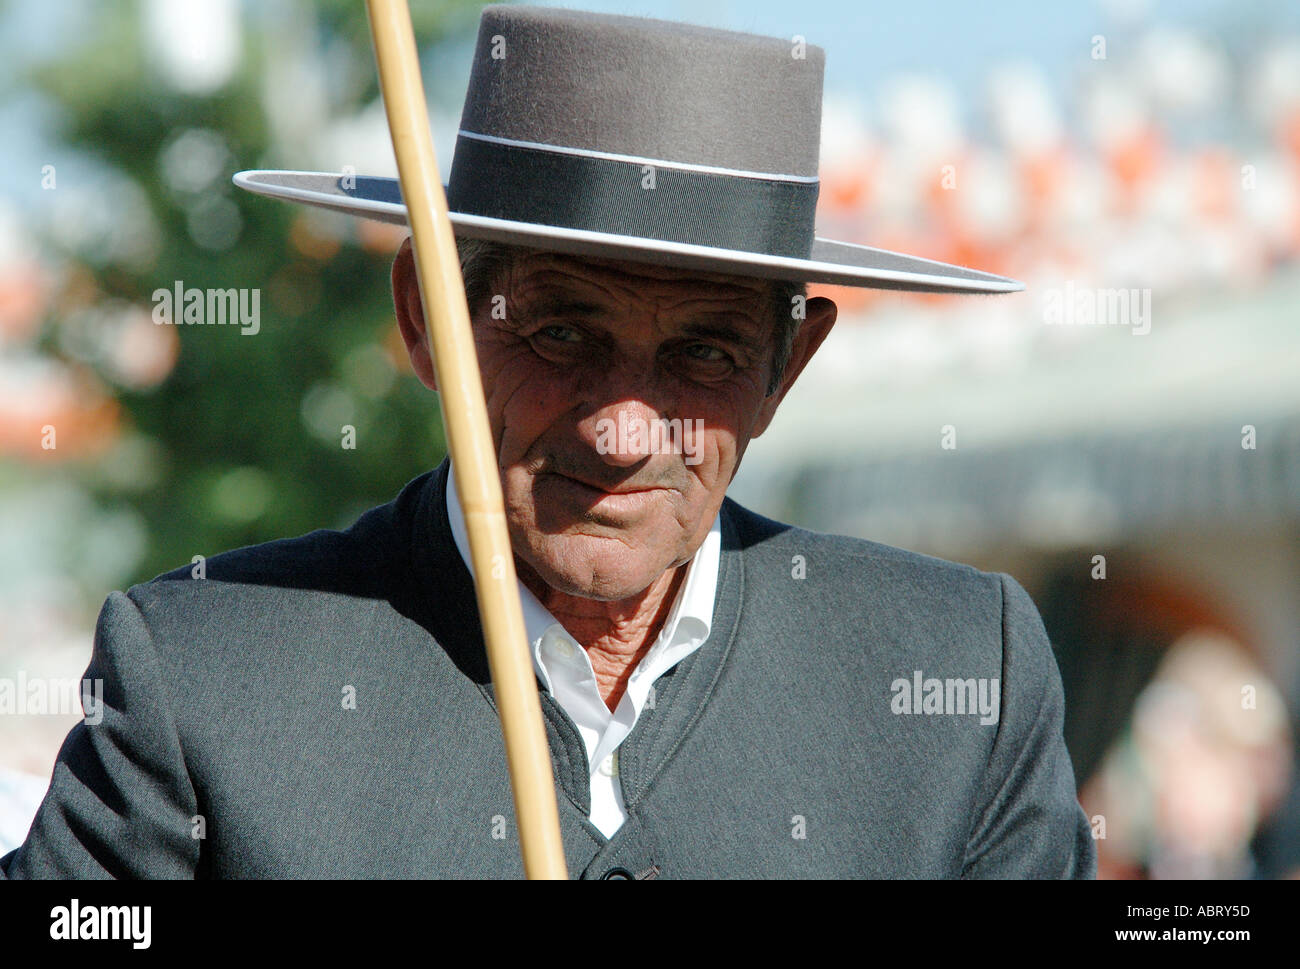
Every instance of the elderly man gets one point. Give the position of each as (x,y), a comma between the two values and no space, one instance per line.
(724,695)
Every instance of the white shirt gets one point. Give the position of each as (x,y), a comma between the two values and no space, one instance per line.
(566,672)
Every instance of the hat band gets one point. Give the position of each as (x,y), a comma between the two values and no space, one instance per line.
(601,193)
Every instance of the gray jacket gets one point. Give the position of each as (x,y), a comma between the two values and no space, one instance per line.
(816,733)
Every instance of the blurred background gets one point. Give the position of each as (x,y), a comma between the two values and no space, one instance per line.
(1141,478)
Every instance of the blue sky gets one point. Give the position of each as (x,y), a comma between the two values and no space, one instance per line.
(866,40)
(869,40)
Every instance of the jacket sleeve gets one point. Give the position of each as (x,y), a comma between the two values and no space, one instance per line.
(1028,821)
(120,801)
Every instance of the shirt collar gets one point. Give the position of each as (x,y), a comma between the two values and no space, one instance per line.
(687,624)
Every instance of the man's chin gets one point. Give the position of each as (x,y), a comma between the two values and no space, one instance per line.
(608,577)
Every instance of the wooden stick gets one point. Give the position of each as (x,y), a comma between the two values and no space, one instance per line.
(469,440)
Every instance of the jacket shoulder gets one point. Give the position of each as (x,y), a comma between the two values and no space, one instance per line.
(764,539)
(326,576)
(352,560)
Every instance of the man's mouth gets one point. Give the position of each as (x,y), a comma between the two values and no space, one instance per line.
(611,490)
(618,501)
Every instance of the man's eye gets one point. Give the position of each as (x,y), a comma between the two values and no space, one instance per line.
(702,351)
(564,334)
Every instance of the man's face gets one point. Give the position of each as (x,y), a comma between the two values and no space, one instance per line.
(621,399)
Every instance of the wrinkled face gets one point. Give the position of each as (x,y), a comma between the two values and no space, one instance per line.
(621,398)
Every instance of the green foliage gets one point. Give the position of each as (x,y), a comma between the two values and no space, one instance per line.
(234,459)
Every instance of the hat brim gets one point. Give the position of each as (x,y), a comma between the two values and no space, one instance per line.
(838,263)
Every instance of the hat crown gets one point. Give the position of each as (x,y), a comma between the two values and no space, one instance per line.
(646,89)
(602,135)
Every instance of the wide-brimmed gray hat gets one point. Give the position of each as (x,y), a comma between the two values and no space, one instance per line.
(644,140)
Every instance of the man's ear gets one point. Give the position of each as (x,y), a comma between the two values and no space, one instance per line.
(817,323)
(410,314)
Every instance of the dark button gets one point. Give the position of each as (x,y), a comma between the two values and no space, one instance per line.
(617,874)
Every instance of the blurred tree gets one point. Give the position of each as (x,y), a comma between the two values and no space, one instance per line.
(245,437)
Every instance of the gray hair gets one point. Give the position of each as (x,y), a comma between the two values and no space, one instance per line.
(482,262)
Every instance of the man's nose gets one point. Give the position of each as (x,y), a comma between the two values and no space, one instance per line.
(623,431)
